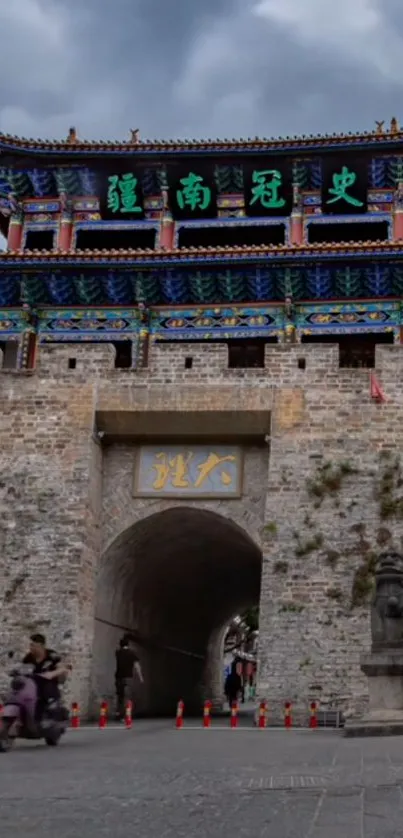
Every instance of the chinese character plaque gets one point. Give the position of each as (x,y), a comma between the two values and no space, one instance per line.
(196,471)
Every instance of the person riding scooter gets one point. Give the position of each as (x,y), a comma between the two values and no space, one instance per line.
(48,670)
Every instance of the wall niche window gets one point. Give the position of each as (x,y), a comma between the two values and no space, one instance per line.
(355,351)
(102,239)
(356,232)
(9,349)
(39,240)
(232,235)
(242,354)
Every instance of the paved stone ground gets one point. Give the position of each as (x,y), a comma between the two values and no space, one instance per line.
(155,781)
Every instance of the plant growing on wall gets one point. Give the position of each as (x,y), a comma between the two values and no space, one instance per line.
(304,548)
(328,479)
(363,581)
(389,492)
(270,528)
(291,608)
(335,593)
(280,567)
(332,557)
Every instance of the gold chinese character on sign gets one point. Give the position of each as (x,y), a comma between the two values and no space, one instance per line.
(209,465)
(175,470)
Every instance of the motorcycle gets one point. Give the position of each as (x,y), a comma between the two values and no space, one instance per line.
(18,720)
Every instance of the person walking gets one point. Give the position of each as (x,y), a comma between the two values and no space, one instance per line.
(127,663)
(233,684)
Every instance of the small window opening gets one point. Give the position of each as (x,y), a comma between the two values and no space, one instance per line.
(246,354)
(301,363)
(10,354)
(231,235)
(39,240)
(355,232)
(115,239)
(123,358)
(72,363)
(188,363)
(355,351)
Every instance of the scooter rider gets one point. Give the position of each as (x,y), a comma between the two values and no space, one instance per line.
(49,668)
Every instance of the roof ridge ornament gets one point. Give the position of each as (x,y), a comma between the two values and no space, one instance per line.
(72,138)
(378,134)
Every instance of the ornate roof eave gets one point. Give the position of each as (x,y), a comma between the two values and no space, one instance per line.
(99,259)
(378,141)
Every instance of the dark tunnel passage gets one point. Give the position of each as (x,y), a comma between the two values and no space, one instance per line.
(174,579)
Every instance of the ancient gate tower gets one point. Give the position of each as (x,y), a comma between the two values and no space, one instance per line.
(201,404)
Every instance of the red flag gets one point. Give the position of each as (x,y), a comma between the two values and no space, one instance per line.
(376,390)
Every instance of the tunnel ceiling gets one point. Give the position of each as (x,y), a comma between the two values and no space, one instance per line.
(190,569)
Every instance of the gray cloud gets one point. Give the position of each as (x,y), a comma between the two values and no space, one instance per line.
(177,68)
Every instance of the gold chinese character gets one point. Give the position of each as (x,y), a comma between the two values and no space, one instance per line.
(175,469)
(209,465)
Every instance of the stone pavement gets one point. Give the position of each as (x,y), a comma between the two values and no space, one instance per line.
(156,781)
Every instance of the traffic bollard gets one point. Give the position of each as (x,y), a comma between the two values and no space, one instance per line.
(128,715)
(207,714)
(179,715)
(103,715)
(75,715)
(262,715)
(313,721)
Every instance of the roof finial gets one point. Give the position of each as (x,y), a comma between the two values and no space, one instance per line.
(134,135)
(394,126)
(380,126)
(72,137)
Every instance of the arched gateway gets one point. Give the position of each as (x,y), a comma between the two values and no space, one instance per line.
(174,579)
(174,571)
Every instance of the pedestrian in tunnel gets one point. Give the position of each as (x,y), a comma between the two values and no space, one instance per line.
(127,663)
(233,684)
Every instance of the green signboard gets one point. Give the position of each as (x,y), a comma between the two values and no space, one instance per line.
(121,196)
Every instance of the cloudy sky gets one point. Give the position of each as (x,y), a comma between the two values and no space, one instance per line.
(198,68)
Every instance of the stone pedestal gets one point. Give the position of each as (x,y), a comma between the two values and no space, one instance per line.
(384,670)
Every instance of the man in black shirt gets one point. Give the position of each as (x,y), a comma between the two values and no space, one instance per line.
(47,665)
(127,663)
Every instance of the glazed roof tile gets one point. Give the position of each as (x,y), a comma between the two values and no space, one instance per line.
(74,146)
(209,253)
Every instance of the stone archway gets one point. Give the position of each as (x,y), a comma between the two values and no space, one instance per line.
(173,578)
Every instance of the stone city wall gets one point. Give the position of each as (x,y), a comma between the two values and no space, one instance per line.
(332,499)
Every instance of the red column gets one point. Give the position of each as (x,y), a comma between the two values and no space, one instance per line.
(14,238)
(167,226)
(65,234)
(167,233)
(296,228)
(28,350)
(398,224)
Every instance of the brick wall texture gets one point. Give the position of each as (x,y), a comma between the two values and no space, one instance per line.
(322,497)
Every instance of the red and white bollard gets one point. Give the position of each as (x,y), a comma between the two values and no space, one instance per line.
(128,715)
(75,715)
(103,715)
(262,715)
(234,714)
(313,721)
(287,715)
(207,714)
(179,715)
